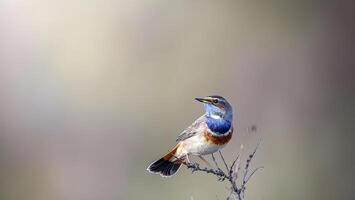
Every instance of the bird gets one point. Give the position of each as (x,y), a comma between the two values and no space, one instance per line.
(207,135)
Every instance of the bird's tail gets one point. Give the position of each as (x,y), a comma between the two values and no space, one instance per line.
(167,165)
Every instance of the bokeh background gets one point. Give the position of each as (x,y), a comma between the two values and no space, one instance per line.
(92,91)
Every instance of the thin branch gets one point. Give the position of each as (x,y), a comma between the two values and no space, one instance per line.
(252,173)
(236,191)
(233,163)
(196,167)
(246,169)
(215,162)
(246,178)
(224,161)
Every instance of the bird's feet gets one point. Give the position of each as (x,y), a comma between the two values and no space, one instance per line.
(192,165)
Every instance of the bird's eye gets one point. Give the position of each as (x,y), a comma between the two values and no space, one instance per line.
(215,101)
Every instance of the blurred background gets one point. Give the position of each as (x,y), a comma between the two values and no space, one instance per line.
(92,91)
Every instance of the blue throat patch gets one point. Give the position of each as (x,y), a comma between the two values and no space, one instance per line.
(218,126)
(222,124)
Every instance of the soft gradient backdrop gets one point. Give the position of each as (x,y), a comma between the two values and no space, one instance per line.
(92,91)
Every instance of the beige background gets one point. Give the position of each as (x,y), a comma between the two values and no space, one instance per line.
(92,91)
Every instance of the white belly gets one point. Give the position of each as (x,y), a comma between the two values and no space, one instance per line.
(197,145)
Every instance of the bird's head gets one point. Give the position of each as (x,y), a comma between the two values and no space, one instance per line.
(217,107)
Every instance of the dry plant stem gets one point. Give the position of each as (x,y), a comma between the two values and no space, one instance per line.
(236,190)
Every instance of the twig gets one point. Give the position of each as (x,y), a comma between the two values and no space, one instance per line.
(246,178)
(236,191)
(252,173)
(215,162)
(224,161)
(196,167)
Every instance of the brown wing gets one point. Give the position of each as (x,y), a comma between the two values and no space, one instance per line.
(193,129)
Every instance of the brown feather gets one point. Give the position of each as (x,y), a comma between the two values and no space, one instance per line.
(218,140)
(171,153)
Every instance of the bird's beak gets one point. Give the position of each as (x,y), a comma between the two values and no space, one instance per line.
(203,100)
